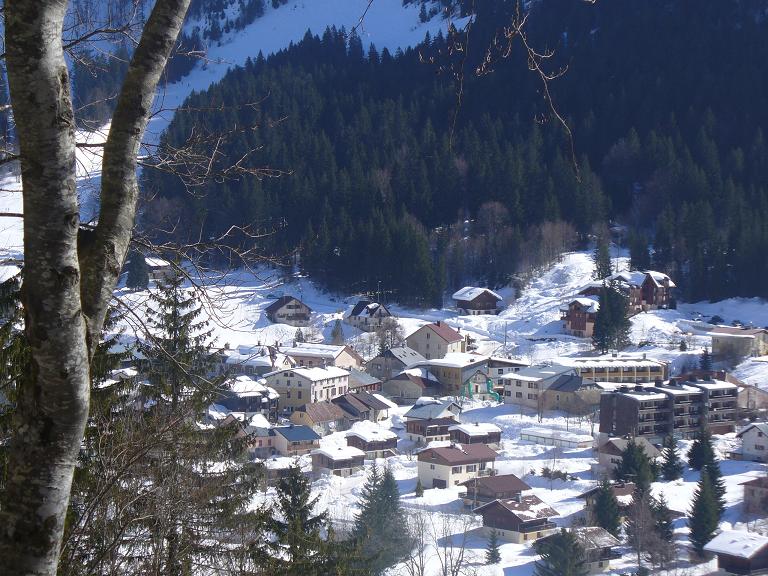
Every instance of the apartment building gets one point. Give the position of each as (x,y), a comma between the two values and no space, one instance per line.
(676,408)
(621,368)
(299,386)
(436,340)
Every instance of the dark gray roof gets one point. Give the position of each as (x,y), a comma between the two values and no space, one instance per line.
(406,355)
(282,301)
(570,383)
(368,308)
(358,378)
(427,411)
(297,433)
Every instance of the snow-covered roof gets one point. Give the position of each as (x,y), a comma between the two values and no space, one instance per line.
(476,429)
(471,292)
(679,389)
(592,304)
(548,433)
(245,386)
(259,421)
(737,543)
(314,374)
(716,385)
(457,360)
(154,262)
(536,373)
(761,426)
(385,400)
(340,452)
(609,361)
(421,372)
(8,271)
(328,351)
(370,432)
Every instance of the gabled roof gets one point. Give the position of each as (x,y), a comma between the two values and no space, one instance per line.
(442,330)
(358,378)
(591,304)
(370,432)
(314,374)
(369,400)
(737,331)
(570,383)
(619,490)
(529,507)
(592,537)
(368,308)
(761,482)
(340,453)
(296,433)
(431,410)
(616,446)
(457,454)
(154,262)
(737,543)
(498,483)
(761,426)
(469,293)
(476,428)
(408,356)
(282,301)
(324,411)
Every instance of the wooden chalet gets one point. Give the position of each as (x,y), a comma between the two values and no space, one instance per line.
(339,461)
(489,488)
(430,430)
(476,433)
(521,520)
(472,301)
(288,310)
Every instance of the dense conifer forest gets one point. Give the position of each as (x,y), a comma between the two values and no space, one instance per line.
(391,177)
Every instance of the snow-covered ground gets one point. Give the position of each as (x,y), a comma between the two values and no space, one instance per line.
(526,460)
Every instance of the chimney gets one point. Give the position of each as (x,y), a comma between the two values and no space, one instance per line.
(638,388)
(644,356)
(437,323)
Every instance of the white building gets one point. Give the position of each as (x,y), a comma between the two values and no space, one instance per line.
(559,438)
(299,386)
(452,465)
(754,442)
(310,355)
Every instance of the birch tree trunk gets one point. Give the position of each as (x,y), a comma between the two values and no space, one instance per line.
(66,289)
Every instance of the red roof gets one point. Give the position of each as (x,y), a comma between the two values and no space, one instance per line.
(445,332)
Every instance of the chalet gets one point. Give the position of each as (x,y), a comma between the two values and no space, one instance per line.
(754,442)
(159,270)
(323,417)
(436,340)
(598,545)
(242,394)
(609,454)
(443,467)
(457,373)
(732,343)
(369,316)
(623,492)
(363,382)
(489,488)
(363,406)
(299,386)
(260,437)
(572,394)
(412,384)
(339,461)
(392,362)
(472,301)
(295,440)
(498,366)
(476,433)
(525,387)
(288,310)
(308,354)
(740,552)
(649,290)
(375,441)
(431,430)
(430,408)
(253,360)
(579,316)
(520,520)
(756,496)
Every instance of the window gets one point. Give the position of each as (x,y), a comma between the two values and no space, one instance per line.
(427,338)
(518,394)
(472,468)
(431,466)
(501,371)
(518,383)
(288,394)
(759,447)
(299,396)
(531,385)
(456,470)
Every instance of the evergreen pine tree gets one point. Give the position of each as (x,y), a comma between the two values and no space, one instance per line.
(672,464)
(492,554)
(380,526)
(561,555)
(337,334)
(703,517)
(701,451)
(607,511)
(295,526)
(712,469)
(602,259)
(137,277)
(663,517)
(419,488)
(299,336)
(683,346)
(705,361)
(634,466)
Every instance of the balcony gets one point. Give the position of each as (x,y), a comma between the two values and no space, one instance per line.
(537,528)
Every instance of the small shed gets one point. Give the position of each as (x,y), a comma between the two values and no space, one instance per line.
(740,552)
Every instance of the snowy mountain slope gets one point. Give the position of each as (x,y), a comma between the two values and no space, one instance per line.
(386,23)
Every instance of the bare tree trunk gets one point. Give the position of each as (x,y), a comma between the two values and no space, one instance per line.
(65,293)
